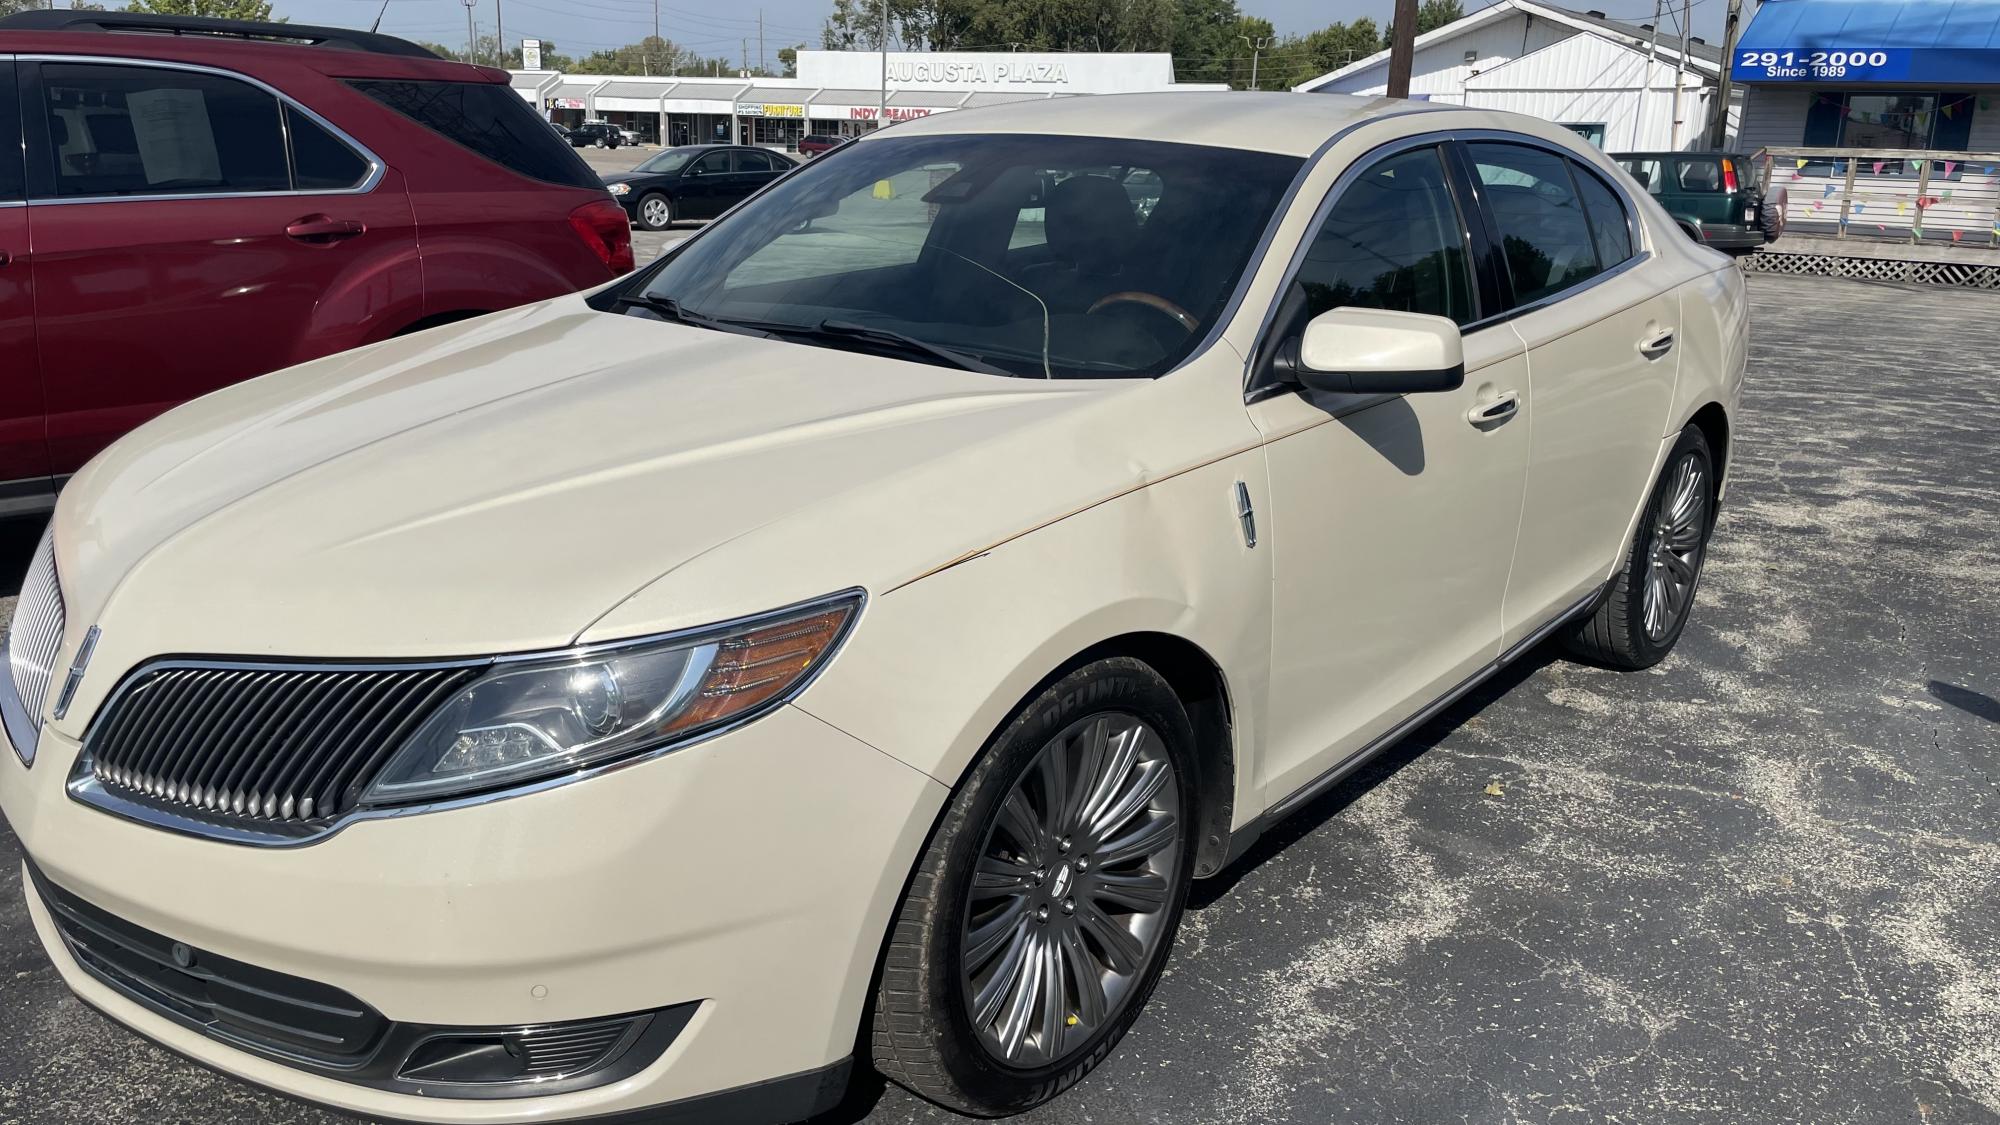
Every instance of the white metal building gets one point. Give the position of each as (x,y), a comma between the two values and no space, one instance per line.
(1609,81)
(836,92)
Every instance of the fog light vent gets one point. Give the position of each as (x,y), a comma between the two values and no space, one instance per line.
(531,1054)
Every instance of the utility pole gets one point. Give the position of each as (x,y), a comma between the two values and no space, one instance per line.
(500,35)
(882,106)
(1402,48)
(1680,68)
(1646,84)
(745,56)
(647,54)
(763,64)
(1257,47)
(471,43)
(1718,132)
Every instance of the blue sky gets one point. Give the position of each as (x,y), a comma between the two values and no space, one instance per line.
(715,29)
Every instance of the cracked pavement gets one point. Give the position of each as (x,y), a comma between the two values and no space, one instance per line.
(1756,883)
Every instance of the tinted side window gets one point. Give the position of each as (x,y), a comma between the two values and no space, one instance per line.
(1610,224)
(713,163)
(489,119)
(11,187)
(1544,235)
(321,161)
(753,162)
(136,130)
(1392,241)
(1647,172)
(1700,175)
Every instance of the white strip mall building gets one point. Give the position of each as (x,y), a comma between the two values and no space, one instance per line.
(836,92)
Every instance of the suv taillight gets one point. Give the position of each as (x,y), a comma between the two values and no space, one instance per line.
(604,228)
(1729,175)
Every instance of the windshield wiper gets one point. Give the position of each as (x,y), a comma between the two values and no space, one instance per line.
(666,308)
(848,330)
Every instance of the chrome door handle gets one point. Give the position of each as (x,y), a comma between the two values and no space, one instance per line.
(1496,410)
(1657,346)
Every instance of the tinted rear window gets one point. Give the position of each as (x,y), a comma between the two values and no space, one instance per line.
(489,119)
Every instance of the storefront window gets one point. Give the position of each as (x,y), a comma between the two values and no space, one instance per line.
(1888,121)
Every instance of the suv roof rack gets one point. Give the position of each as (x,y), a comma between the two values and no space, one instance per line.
(302,34)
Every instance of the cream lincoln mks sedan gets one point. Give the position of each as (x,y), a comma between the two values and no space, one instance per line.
(841,642)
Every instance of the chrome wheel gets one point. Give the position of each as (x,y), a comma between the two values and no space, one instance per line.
(1069,903)
(1679,535)
(655,212)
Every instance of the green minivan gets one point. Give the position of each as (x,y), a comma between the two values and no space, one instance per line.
(1713,196)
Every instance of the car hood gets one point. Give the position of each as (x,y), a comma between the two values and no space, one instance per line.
(499,485)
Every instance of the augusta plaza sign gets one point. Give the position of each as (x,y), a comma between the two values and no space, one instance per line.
(952,72)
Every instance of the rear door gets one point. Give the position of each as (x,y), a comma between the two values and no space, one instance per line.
(1699,191)
(24,456)
(1599,323)
(192,230)
(755,168)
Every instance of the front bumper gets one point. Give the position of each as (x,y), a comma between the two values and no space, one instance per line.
(753,875)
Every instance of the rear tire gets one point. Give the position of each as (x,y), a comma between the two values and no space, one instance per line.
(1771,218)
(1059,869)
(1652,595)
(655,212)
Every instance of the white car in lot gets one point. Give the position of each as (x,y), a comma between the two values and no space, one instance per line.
(841,642)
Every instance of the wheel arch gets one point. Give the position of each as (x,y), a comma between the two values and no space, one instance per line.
(1713,422)
(1203,689)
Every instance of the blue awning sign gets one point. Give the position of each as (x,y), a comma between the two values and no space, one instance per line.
(1939,43)
(1804,64)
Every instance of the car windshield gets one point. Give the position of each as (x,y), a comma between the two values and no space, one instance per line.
(668,161)
(1037,256)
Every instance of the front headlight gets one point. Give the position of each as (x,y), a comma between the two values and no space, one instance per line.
(531,719)
(618,189)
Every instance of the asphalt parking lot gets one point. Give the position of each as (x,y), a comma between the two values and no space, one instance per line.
(1755,884)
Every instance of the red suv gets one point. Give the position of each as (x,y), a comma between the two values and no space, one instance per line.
(185,203)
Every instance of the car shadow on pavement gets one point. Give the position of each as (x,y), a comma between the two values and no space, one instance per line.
(1974,703)
(1383,766)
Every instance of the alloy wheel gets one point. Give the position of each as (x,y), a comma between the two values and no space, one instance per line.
(1679,536)
(655,212)
(1069,903)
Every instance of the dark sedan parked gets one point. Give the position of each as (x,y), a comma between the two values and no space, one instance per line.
(693,182)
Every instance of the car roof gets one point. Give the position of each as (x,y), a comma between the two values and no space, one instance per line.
(1662,154)
(264,56)
(1294,124)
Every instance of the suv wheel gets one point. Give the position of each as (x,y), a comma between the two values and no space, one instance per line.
(1040,916)
(1652,595)
(656,212)
(600,142)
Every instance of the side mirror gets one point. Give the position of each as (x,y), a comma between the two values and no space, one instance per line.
(1375,351)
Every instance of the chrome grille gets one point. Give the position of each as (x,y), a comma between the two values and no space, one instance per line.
(272,745)
(37,631)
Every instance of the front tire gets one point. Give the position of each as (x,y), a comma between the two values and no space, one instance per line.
(656,212)
(1652,595)
(1040,916)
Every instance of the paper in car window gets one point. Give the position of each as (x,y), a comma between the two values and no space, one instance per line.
(176,144)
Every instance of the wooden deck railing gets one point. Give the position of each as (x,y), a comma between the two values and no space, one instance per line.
(1895,195)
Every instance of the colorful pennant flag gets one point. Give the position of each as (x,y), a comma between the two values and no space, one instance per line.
(1950,166)
(1901,207)
(1878,167)
(1830,189)
(1860,207)
(1956,235)
(1803,164)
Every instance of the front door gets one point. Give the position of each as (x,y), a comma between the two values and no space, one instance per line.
(24,455)
(1393,519)
(183,242)
(705,184)
(1599,326)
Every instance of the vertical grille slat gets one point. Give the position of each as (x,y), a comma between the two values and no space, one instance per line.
(264,744)
(36,633)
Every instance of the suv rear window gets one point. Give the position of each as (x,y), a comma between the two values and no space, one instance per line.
(489,119)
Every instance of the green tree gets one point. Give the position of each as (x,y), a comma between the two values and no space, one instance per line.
(214,9)
(1432,15)
(788,58)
